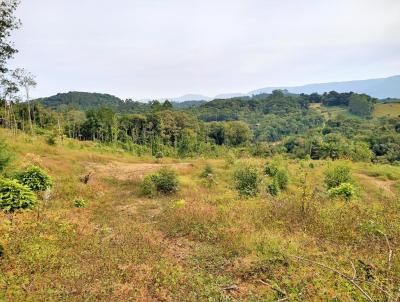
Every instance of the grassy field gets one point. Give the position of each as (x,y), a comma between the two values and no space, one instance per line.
(331,111)
(388,110)
(204,243)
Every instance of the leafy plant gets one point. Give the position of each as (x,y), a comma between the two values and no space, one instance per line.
(337,175)
(148,186)
(344,190)
(165,182)
(273,188)
(282,178)
(5,155)
(208,170)
(270,168)
(15,196)
(79,203)
(51,140)
(247,180)
(35,178)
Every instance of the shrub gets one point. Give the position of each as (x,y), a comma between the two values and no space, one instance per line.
(361,152)
(282,178)
(247,180)
(344,190)
(159,154)
(230,160)
(270,168)
(148,186)
(5,155)
(337,175)
(273,188)
(79,203)
(35,178)
(51,140)
(14,196)
(208,170)
(166,181)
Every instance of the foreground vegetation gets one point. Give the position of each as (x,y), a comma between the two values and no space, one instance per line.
(203,240)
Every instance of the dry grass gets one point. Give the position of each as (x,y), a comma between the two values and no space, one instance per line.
(213,246)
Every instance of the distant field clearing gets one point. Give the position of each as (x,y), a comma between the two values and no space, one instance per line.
(390,109)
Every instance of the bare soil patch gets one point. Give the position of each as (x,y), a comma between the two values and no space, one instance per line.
(127,171)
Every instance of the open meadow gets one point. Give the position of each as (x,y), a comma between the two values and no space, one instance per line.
(203,243)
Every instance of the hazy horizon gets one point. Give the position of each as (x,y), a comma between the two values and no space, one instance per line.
(158,49)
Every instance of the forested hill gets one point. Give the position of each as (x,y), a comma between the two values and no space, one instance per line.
(86,100)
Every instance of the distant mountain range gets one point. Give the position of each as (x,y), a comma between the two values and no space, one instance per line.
(379,88)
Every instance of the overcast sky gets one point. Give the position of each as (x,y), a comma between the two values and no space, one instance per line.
(166,48)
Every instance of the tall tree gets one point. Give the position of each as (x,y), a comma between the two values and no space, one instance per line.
(27,81)
(8,22)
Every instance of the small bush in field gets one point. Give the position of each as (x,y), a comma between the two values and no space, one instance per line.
(208,169)
(159,154)
(270,168)
(344,190)
(51,140)
(337,175)
(273,188)
(282,178)
(230,160)
(148,187)
(247,180)
(79,203)
(15,196)
(35,178)
(208,176)
(165,182)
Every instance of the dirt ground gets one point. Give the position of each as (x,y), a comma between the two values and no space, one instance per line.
(126,171)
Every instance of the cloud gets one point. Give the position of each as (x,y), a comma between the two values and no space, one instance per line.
(154,48)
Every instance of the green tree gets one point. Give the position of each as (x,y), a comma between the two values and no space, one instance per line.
(361,105)
(8,22)
(237,133)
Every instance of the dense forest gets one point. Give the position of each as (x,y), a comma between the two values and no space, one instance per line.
(262,124)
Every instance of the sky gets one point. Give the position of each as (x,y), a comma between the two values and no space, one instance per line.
(166,48)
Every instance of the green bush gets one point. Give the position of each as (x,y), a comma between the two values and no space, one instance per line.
(148,186)
(159,154)
(35,178)
(337,175)
(51,140)
(5,155)
(247,180)
(79,203)
(273,188)
(361,152)
(208,170)
(282,178)
(344,190)
(14,196)
(165,182)
(270,168)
